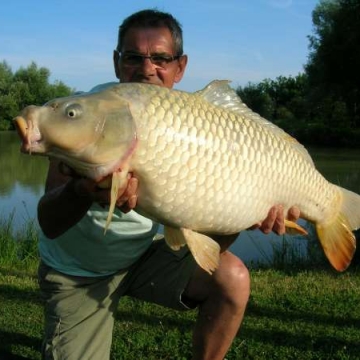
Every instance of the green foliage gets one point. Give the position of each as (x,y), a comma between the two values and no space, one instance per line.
(18,250)
(257,99)
(283,99)
(322,105)
(334,60)
(27,86)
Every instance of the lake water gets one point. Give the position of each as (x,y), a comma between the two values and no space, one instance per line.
(22,183)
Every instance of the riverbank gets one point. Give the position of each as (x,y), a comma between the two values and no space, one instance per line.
(292,314)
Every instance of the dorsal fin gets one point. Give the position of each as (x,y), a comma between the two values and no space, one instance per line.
(219,93)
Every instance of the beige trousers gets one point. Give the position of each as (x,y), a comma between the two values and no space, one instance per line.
(79,311)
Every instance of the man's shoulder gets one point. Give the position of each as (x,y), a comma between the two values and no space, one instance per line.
(102,86)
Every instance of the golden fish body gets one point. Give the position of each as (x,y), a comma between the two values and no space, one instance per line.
(206,163)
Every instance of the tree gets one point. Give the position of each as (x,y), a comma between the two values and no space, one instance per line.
(258,100)
(283,99)
(5,76)
(333,67)
(8,105)
(28,86)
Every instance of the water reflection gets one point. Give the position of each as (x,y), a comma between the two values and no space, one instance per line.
(21,182)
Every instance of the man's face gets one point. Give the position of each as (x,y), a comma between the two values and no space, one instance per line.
(146,42)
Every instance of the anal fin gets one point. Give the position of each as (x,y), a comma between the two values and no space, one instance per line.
(205,250)
(174,238)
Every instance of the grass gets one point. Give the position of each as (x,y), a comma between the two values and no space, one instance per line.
(18,249)
(292,314)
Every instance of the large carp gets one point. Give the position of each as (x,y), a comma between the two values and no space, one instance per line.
(206,163)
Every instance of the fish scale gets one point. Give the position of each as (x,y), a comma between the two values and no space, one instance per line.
(206,163)
(222,187)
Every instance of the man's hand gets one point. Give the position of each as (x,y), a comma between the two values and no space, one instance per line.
(127,201)
(84,187)
(275,221)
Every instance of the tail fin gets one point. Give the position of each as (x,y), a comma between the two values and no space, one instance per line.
(337,238)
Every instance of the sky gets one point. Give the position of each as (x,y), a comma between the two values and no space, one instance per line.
(238,40)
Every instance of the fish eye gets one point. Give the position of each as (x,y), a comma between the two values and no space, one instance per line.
(73,111)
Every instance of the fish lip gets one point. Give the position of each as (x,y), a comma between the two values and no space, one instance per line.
(32,141)
(32,148)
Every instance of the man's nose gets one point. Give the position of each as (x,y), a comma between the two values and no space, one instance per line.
(147,66)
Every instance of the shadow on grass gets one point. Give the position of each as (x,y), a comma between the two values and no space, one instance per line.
(11,339)
(140,317)
(311,338)
(13,293)
(292,316)
(19,273)
(176,319)
(344,336)
(8,356)
(325,343)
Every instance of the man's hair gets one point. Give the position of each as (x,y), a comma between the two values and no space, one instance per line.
(152,18)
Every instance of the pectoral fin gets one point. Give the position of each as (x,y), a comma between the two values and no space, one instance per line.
(205,250)
(293,228)
(118,185)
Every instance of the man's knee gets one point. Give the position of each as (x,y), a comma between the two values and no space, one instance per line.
(233,279)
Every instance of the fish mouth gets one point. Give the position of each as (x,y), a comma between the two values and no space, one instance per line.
(31,139)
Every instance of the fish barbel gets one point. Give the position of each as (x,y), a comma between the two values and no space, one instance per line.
(206,163)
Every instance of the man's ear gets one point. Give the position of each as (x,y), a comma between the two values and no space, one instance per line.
(116,59)
(182,62)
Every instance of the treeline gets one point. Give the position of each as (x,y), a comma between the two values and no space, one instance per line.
(322,105)
(27,86)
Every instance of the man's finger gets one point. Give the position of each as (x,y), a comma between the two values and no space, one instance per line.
(293,214)
(132,187)
(132,201)
(268,224)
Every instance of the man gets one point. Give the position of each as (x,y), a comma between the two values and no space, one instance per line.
(83,274)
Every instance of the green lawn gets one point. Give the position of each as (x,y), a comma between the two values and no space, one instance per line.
(299,315)
(293,313)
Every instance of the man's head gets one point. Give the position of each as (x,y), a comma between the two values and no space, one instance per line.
(150,49)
